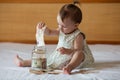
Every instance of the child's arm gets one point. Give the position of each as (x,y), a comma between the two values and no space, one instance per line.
(51,32)
(47,30)
(78,55)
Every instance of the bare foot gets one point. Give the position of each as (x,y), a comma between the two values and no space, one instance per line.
(67,70)
(19,61)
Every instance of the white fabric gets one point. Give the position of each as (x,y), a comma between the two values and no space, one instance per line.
(40,36)
(107,63)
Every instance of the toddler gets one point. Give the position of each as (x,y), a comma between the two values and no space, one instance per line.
(72,50)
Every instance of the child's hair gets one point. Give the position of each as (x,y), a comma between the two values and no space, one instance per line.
(71,11)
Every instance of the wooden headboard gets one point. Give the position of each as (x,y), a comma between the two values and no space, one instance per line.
(101,21)
(59,1)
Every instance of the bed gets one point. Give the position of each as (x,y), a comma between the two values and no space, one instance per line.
(106,67)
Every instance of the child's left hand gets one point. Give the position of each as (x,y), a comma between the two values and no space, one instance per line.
(63,50)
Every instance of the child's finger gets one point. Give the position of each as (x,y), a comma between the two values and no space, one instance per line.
(40,25)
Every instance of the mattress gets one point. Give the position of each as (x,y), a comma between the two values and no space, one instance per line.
(106,67)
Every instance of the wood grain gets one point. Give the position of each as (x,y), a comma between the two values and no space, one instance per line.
(101,21)
(59,1)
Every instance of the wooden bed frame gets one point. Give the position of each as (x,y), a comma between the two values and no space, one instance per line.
(101,21)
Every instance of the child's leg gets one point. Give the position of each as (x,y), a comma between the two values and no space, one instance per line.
(76,60)
(22,63)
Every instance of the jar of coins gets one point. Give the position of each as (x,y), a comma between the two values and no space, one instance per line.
(39,61)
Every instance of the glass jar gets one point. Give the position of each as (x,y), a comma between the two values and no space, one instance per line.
(39,58)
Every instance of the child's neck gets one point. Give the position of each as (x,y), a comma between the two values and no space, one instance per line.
(70,32)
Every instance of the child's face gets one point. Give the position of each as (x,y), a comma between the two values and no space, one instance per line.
(67,26)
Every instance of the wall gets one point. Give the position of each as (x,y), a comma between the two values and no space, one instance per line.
(18,21)
(58,1)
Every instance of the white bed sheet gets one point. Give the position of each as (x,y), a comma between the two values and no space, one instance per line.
(106,67)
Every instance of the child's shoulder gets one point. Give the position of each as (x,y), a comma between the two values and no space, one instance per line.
(80,36)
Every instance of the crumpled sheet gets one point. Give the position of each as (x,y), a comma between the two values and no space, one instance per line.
(107,64)
(24,74)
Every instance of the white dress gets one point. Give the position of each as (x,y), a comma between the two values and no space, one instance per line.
(58,60)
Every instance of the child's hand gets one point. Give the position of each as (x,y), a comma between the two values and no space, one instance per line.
(63,50)
(40,25)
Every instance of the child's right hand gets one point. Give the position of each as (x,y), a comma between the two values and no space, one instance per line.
(63,50)
(40,25)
